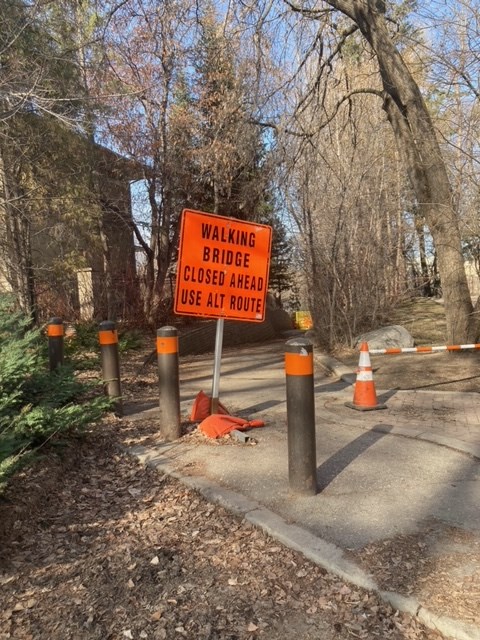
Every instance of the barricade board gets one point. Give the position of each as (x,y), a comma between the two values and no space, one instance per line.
(223,267)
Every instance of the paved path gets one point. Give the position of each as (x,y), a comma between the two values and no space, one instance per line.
(445,417)
(403,479)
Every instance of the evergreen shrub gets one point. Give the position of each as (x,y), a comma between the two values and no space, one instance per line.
(36,404)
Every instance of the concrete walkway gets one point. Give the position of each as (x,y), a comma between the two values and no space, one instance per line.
(406,479)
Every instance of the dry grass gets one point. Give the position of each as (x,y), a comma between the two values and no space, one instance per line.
(424,318)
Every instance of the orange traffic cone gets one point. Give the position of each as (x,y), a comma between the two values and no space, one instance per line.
(365,396)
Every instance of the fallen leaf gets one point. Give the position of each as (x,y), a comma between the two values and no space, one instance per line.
(155,560)
(251,627)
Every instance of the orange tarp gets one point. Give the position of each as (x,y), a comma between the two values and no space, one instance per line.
(202,406)
(218,425)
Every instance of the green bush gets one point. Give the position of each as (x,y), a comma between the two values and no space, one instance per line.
(34,403)
(85,338)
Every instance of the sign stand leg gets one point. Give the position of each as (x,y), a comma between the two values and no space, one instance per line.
(216,365)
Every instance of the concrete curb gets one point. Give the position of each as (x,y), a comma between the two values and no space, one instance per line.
(315,549)
(336,367)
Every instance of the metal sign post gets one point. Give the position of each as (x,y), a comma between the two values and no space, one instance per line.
(216,365)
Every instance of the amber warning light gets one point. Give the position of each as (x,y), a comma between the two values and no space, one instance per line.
(223,266)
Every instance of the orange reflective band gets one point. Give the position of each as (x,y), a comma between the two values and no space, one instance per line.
(298,365)
(393,351)
(454,347)
(108,337)
(55,330)
(424,349)
(167,345)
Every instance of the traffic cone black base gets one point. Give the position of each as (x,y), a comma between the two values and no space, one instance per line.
(357,407)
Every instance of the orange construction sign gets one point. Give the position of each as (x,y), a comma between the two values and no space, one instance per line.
(223,267)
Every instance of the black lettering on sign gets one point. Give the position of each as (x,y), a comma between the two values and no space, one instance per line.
(248,304)
(240,237)
(215,300)
(192,297)
(226,257)
(200,275)
(241,281)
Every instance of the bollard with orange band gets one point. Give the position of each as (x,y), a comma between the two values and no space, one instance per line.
(302,457)
(55,343)
(108,339)
(169,387)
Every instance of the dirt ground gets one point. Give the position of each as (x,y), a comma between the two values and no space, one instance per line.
(456,371)
(95,546)
(424,318)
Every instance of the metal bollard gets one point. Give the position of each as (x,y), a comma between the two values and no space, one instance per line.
(55,343)
(169,386)
(302,458)
(108,339)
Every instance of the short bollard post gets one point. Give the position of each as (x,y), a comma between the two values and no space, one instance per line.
(108,339)
(302,458)
(55,343)
(169,387)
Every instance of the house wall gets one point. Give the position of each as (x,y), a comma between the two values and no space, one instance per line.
(473,280)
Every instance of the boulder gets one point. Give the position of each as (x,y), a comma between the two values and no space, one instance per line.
(386,338)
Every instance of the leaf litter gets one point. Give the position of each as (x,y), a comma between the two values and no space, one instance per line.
(96,546)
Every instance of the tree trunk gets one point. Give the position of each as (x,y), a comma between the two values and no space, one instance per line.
(422,158)
(16,268)
(426,284)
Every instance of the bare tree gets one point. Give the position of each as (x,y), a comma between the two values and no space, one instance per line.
(451,49)
(327,29)
(421,154)
(346,199)
(37,79)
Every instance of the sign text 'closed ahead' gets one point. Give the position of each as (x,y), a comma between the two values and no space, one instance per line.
(222,267)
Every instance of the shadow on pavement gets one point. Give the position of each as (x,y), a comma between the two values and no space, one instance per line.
(329,387)
(383,397)
(262,406)
(331,468)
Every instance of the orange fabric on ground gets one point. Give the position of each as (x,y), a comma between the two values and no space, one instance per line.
(201,407)
(218,425)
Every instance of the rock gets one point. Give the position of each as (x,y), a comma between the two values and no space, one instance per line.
(386,338)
